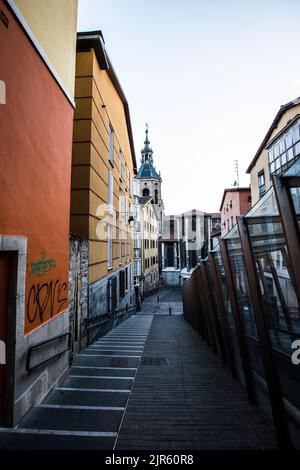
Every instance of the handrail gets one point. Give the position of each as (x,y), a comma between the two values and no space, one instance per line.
(35,347)
(106,316)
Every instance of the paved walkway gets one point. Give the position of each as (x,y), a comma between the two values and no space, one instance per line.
(185,399)
(151,383)
(160,303)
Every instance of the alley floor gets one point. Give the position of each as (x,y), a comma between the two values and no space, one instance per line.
(151,383)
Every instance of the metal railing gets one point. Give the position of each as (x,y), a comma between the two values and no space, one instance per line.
(102,318)
(37,346)
(230,301)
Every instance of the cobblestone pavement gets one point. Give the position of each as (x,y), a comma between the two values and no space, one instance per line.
(183,398)
(161,302)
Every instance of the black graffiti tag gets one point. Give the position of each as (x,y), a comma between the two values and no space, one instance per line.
(43,298)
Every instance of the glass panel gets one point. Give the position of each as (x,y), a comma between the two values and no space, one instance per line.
(295,194)
(241,285)
(279,298)
(290,154)
(288,140)
(294,170)
(265,206)
(297,149)
(221,271)
(296,134)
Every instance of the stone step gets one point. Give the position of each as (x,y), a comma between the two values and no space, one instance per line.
(84,398)
(35,439)
(107,372)
(108,361)
(72,419)
(98,383)
(109,352)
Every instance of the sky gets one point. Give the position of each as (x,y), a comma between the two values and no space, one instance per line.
(208,76)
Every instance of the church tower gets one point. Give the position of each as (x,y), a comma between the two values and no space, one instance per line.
(150,180)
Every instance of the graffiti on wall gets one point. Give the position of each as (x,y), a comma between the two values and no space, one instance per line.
(42,266)
(48,299)
(45,297)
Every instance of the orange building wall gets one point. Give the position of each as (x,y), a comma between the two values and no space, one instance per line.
(35,155)
(240,205)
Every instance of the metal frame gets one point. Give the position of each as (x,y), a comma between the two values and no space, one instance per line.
(289,224)
(271,374)
(224,319)
(203,301)
(214,316)
(245,358)
(37,346)
(210,327)
(199,305)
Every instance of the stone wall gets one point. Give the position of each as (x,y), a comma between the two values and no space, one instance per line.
(78,292)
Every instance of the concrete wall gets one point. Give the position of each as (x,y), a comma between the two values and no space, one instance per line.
(171,277)
(78,292)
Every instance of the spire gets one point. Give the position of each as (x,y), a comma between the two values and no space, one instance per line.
(147,151)
(147,169)
(146,139)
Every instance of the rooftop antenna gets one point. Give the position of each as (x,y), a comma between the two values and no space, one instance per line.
(236,171)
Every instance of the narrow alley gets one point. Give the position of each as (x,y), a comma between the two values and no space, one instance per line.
(150,383)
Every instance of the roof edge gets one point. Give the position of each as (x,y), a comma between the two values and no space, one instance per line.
(283,108)
(231,190)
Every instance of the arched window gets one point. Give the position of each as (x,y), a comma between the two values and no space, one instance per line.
(145,192)
(156,196)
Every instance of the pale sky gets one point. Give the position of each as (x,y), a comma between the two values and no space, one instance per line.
(208,76)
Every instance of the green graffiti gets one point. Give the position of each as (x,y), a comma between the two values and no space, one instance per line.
(43,266)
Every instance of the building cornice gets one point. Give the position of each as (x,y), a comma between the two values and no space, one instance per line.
(24,25)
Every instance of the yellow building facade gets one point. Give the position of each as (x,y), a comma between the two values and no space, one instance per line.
(278,150)
(103,167)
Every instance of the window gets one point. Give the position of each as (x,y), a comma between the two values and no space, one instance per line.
(284,149)
(120,245)
(122,284)
(231,221)
(125,176)
(120,164)
(145,192)
(110,198)
(126,210)
(261,183)
(194,223)
(126,279)
(111,144)
(109,246)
